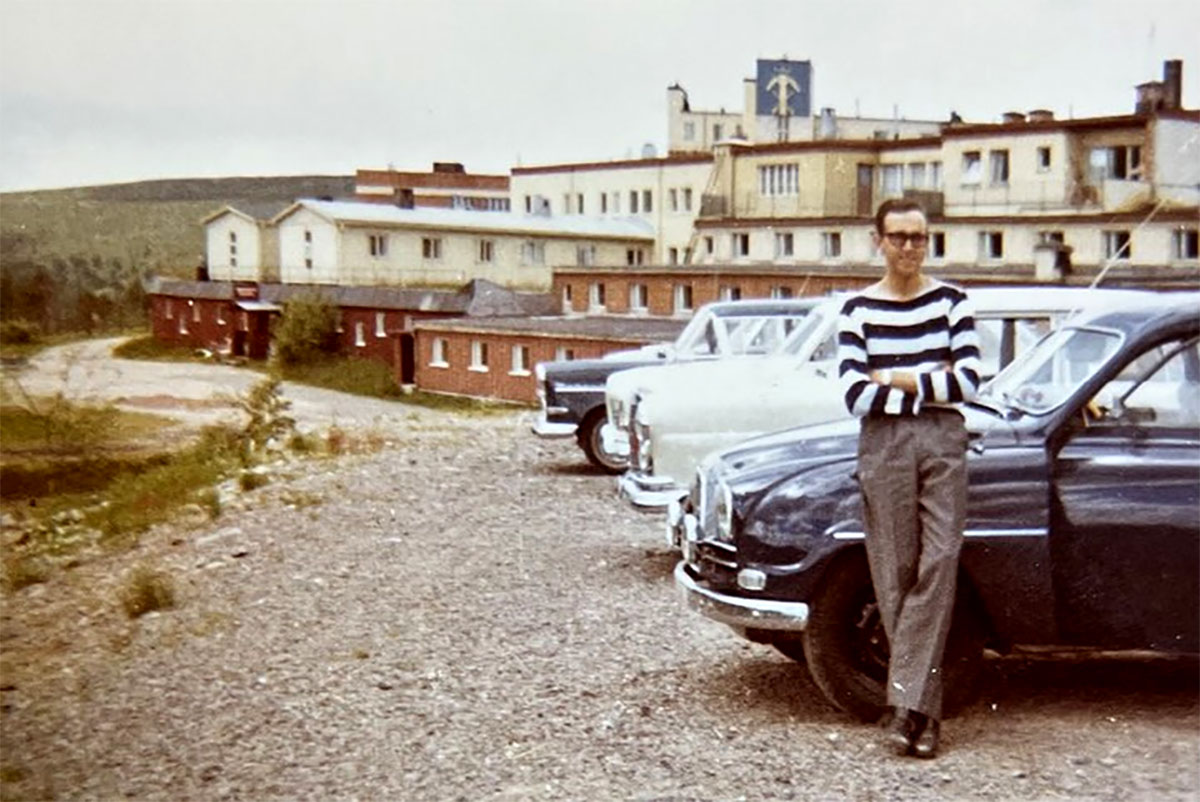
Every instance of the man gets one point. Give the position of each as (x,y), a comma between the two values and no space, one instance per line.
(907,348)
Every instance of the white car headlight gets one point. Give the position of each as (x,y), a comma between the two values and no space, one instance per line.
(645,458)
(724,511)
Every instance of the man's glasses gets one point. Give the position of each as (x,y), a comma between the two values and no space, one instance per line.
(898,238)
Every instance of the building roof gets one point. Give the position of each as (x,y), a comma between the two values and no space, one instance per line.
(605,327)
(258,211)
(374,214)
(624,164)
(477,298)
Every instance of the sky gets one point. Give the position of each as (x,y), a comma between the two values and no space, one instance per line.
(108,91)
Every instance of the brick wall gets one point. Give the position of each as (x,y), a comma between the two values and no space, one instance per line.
(498,381)
(193,322)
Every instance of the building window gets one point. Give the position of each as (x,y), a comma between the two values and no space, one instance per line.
(673,199)
(647,204)
(998,167)
(195,311)
(1117,246)
(972,167)
(716,132)
(893,180)
(637,298)
(1043,159)
(232,260)
(183,329)
(308,262)
(831,244)
(479,356)
(683,298)
(730,292)
(244,321)
(634,256)
(935,175)
(1184,244)
(673,256)
(603,203)
(778,179)
(307,237)
(596,296)
(520,360)
(533,252)
(220,314)
(687,199)
(431,248)
(437,353)
(528,205)
(616,202)
(377,244)
(487,250)
(780,292)
(937,245)
(741,243)
(360,336)
(689,131)
(380,324)
(169,309)
(1051,236)
(633,201)
(563,354)
(585,255)
(991,245)
(916,175)
(784,242)
(709,245)
(1123,162)
(579,203)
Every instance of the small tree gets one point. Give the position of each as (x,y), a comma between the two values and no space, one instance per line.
(307,332)
(267,418)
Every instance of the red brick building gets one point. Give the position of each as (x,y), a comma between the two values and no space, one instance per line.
(447,186)
(494,358)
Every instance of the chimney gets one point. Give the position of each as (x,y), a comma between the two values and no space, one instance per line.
(1012,117)
(828,124)
(1173,84)
(1040,116)
(448,167)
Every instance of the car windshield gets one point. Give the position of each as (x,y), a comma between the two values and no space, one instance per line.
(711,335)
(1044,377)
(800,340)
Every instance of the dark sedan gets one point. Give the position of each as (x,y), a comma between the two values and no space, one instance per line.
(1083,522)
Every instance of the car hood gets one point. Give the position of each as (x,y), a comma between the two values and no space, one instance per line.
(702,373)
(581,371)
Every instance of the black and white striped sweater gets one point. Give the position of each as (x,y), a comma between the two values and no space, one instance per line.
(932,335)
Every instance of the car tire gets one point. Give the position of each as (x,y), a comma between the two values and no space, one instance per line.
(590,439)
(846,646)
(792,648)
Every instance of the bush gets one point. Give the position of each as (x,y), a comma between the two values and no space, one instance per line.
(367,377)
(307,332)
(19,332)
(146,590)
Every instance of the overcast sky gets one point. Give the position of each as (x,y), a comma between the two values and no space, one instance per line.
(103,91)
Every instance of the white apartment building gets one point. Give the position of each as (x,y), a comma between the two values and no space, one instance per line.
(360,244)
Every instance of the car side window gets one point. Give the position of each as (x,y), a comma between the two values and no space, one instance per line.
(1160,388)
(826,350)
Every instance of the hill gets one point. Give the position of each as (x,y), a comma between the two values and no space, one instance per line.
(152,226)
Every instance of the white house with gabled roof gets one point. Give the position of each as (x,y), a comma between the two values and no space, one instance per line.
(357,244)
(240,244)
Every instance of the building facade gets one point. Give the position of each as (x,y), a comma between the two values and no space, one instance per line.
(447,186)
(240,244)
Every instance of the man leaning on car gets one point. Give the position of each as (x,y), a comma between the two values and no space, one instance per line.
(907,348)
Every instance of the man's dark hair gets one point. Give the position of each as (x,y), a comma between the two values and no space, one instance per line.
(896,206)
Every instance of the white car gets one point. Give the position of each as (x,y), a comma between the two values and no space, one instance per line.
(675,416)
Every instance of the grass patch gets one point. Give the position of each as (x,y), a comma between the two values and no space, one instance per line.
(357,376)
(59,426)
(460,403)
(148,347)
(146,590)
(22,570)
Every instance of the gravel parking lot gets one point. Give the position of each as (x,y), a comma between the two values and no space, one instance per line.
(470,614)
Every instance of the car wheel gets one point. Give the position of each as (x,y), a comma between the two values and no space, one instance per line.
(791,647)
(591,440)
(847,648)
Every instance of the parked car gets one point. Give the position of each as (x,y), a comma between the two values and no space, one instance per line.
(571,393)
(1083,524)
(676,416)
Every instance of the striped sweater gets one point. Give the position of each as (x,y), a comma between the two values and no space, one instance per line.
(932,335)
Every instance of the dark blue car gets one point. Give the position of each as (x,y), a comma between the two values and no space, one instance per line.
(1083,524)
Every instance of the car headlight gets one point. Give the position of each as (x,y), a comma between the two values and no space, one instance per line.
(641,436)
(616,412)
(724,512)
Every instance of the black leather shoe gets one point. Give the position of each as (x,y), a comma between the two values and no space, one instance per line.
(900,731)
(926,745)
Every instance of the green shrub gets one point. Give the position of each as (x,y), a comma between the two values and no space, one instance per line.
(267,419)
(249,480)
(367,377)
(307,331)
(150,347)
(146,590)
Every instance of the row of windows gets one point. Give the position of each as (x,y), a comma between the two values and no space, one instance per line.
(679,199)
(689,131)
(681,296)
(533,252)
(1116,244)
(895,178)
(519,356)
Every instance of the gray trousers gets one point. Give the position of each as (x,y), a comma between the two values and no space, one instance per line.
(913,475)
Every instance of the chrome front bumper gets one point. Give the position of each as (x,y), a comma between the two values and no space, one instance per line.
(548,429)
(648,493)
(739,612)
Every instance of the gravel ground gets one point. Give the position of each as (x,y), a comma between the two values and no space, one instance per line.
(470,613)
